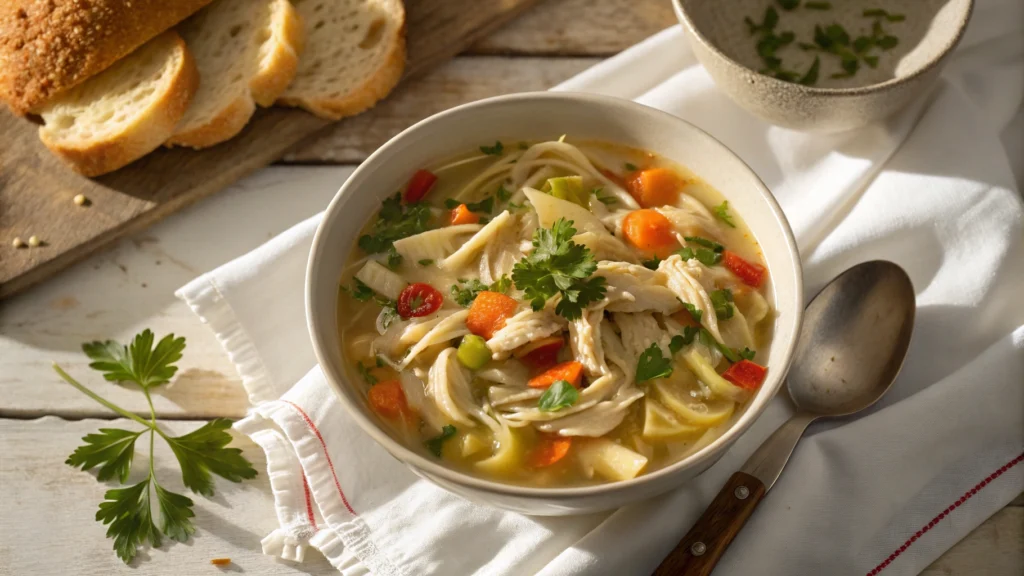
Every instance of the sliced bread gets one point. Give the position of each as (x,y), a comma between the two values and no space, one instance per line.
(355,54)
(247,52)
(125,111)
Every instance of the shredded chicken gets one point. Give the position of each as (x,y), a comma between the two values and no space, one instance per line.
(447,329)
(526,326)
(448,386)
(639,331)
(634,288)
(585,341)
(465,254)
(690,290)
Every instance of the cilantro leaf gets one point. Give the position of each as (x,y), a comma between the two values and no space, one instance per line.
(559,395)
(495,150)
(394,222)
(722,213)
(203,451)
(112,447)
(558,265)
(128,513)
(722,301)
(695,313)
(140,362)
(652,364)
(435,443)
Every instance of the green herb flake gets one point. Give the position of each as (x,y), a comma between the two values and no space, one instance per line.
(679,341)
(698,240)
(788,4)
(652,364)
(630,167)
(359,291)
(746,354)
(722,213)
(394,258)
(880,13)
(887,42)
(425,262)
(495,150)
(561,394)
(722,302)
(364,372)
(811,77)
(435,443)
(503,194)
(395,222)
(652,264)
(465,294)
(695,313)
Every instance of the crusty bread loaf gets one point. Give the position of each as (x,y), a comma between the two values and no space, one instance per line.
(125,111)
(48,46)
(355,55)
(247,52)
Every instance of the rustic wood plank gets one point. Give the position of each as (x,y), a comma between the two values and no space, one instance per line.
(579,28)
(36,189)
(457,82)
(48,527)
(42,493)
(119,292)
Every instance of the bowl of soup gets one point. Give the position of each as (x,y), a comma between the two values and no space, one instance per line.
(554,303)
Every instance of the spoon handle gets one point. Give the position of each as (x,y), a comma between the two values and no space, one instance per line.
(698,552)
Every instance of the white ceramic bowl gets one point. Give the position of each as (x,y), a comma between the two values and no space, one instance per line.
(536,116)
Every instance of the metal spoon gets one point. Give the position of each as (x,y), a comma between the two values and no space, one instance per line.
(854,337)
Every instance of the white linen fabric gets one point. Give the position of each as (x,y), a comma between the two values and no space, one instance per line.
(932,190)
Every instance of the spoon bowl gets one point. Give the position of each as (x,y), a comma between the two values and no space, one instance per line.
(856,334)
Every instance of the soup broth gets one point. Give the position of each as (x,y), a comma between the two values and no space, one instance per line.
(556,313)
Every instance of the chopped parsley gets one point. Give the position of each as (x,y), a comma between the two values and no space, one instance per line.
(694,312)
(435,443)
(394,258)
(722,301)
(771,19)
(685,339)
(558,265)
(880,13)
(705,243)
(746,354)
(722,213)
(561,394)
(395,222)
(388,313)
(501,285)
(465,294)
(503,194)
(495,150)
(631,167)
(365,373)
(705,256)
(359,291)
(652,264)
(606,200)
(652,364)
(708,340)
(425,262)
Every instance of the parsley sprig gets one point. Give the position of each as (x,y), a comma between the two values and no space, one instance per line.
(558,265)
(395,222)
(201,453)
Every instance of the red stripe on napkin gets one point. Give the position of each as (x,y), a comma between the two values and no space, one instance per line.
(949,510)
(309,503)
(323,445)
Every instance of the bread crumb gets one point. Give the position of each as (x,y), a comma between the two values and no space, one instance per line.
(34,241)
(220,561)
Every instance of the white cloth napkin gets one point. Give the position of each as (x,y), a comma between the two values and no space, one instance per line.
(889,491)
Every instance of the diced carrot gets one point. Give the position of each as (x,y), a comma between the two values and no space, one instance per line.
(650,232)
(571,372)
(685,318)
(746,374)
(462,215)
(388,400)
(654,187)
(489,312)
(549,450)
(540,354)
(420,183)
(750,273)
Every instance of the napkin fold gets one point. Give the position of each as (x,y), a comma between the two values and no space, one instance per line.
(931,189)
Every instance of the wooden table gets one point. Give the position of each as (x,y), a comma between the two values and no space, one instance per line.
(47,525)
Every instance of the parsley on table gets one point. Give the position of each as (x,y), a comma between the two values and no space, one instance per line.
(200,453)
(722,213)
(495,150)
(395,222)
(561,394)
(722,301)
(435,443)
(652,364)
(558,265)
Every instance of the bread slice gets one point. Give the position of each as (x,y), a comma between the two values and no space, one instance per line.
(48,46)
(355,55)
(125,111)
(247,52)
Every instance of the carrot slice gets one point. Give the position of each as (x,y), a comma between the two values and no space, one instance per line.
(571,372)
(462,215)
(541,354)
(750,273)
(650,232)
(388,400)
(549,450)
(489,312)
(654,187)
(746,374)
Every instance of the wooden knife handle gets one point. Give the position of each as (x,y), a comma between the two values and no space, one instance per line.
(698,552)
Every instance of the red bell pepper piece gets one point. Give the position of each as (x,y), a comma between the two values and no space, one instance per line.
(420,183)
(751,274)
(746,374)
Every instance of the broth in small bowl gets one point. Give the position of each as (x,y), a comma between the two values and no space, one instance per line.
(554,323)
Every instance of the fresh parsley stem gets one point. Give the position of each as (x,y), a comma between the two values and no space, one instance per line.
(67,378)
(152,415)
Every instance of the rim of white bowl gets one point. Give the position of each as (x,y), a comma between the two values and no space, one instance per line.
(410,457)
(951,43)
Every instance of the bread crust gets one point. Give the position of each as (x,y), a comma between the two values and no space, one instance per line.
(227,124)
(145,135)
(372,90)
(49,46)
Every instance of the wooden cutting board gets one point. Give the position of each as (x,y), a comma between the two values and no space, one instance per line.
(36,189)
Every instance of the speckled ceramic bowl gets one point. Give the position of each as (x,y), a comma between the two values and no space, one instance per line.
(725,46)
